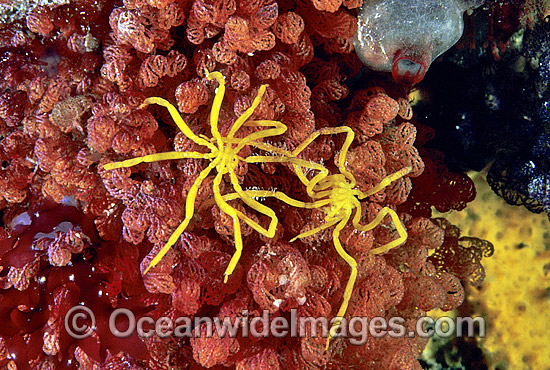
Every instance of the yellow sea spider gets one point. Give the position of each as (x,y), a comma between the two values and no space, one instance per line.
(337,196)
(224,158)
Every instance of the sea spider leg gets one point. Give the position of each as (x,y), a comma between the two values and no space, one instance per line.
(189,211)
(350,135)
(322,227)
(383,212)
(190,201)
(270,232)
(278,128)
(385,182)
(178,120)
(377,220)
(286,156)
(278,195)
(247,113)
(273,193)
(351,281)
(167,155)
(242,194)
(270,148)
(225,207)
(216,107)
(295,161)
(283,197)
(154,158)
(242,119)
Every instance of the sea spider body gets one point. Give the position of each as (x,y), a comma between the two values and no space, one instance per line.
(337,196)
(341,198)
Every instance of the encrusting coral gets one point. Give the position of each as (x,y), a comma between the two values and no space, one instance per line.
(292,147)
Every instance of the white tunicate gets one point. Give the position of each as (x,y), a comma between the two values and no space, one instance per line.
(405,36)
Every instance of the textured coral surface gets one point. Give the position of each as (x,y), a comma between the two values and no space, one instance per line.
(73,232)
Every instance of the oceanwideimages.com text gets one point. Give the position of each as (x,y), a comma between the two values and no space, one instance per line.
(80,323)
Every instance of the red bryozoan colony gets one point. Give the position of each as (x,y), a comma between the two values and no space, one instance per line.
(73,79)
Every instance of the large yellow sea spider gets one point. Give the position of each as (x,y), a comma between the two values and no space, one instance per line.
(337,196)
(224,158)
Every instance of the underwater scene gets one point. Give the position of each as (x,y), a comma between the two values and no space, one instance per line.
(275,184)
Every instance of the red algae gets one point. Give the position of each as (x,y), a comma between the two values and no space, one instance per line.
(75,77)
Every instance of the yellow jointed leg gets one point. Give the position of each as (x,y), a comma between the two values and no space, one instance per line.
(351,281)
(270,232)
(153,158)
(311,232)
(178,120)
(189,211)
(386,181)
(278,195)
(398,225)
(310,184)
(277,129)
(236,227)
(216,107)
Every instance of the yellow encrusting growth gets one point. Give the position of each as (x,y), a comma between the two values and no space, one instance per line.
(514,298)
(224,158)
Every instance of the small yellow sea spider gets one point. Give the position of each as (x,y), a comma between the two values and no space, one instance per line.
(224,158)
(337,196)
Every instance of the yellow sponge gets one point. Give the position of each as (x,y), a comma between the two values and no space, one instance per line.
(515,296)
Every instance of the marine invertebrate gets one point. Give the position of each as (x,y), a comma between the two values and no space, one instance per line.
(519,242)
(337,196)
(404,37)
(224,158)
